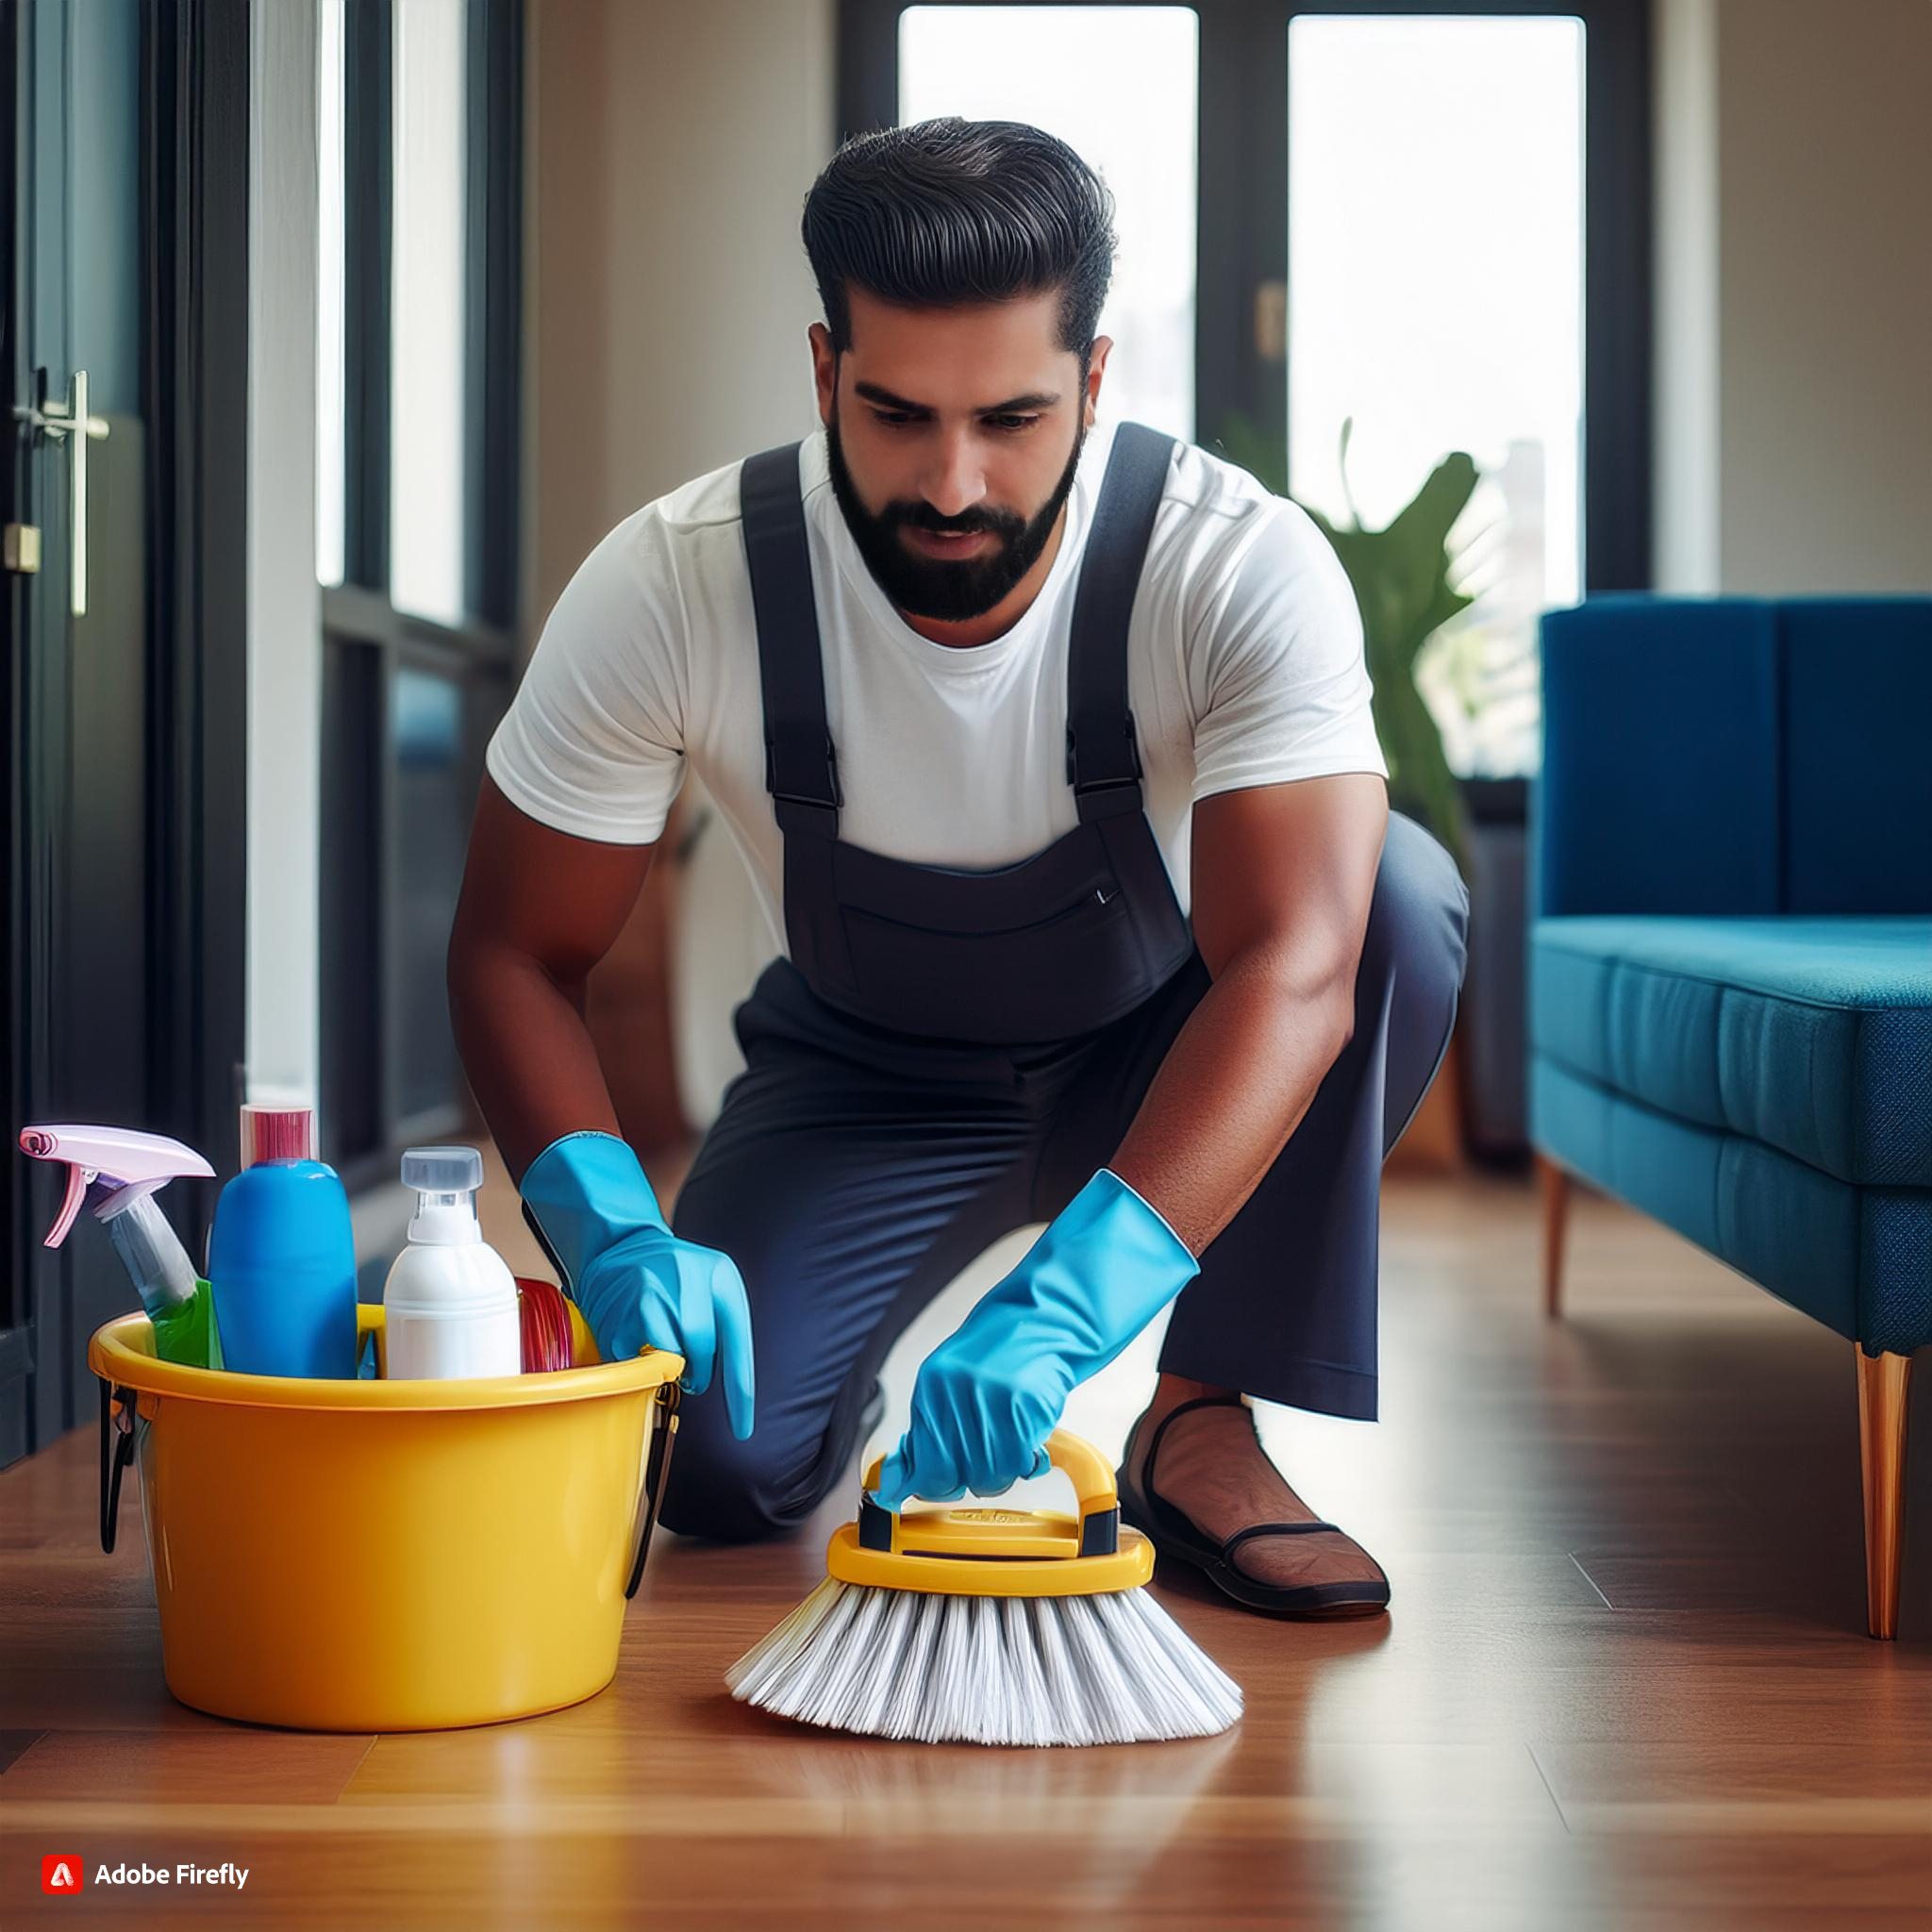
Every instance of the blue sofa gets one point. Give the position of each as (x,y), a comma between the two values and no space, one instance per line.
(1730,962)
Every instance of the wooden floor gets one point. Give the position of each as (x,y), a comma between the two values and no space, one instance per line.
(1623,1682)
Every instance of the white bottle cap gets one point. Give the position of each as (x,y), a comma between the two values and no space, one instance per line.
(443,1170)
(446,1180)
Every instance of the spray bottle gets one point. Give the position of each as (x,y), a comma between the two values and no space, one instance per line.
(115,1174)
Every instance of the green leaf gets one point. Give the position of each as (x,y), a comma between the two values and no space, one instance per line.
(1400,576)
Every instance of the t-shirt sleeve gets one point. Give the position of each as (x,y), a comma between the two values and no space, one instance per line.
(1276,673)
(593,741)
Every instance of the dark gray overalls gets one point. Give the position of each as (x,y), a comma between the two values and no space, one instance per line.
(948,1054)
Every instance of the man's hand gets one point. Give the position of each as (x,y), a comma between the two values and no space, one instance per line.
(988,1397)
(637,1284)
(980,1413)
(649,1290)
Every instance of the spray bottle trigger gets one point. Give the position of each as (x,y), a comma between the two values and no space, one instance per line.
(79,1179)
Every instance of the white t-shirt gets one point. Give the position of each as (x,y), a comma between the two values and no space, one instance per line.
(1244,668)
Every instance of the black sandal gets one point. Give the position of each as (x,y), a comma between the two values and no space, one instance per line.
(1175,1534)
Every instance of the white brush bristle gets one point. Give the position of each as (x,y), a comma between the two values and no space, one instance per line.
(1109,1669)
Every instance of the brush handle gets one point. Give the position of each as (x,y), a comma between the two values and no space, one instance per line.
(1005,1532)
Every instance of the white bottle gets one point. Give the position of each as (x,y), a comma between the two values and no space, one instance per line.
(450,1302)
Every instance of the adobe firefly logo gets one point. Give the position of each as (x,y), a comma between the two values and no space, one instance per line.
(61,1873)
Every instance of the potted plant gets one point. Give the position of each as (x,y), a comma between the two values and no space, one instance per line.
(1402,578)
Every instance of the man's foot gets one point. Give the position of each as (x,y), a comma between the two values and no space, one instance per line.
(1213,1469)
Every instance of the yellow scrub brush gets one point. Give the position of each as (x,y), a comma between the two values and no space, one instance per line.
(991,1626)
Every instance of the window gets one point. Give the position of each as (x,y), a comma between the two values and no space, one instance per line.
(1131,118)
(426,306)
(1435,275)
(421,123)
(1431,216)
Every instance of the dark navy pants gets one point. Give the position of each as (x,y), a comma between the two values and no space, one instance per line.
(853,1172)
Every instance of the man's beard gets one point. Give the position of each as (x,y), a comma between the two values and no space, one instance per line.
(941,589)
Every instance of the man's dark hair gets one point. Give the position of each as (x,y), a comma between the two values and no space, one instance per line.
(951,211)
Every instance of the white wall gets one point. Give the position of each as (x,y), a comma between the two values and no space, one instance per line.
(672,150)
(1794,283)
(284,601)
(1825,154)
(1685,223)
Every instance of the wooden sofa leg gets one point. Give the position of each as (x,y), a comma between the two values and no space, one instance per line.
(1884,1393)
(1553,1183)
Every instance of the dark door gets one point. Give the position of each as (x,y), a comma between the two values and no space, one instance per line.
(80,978)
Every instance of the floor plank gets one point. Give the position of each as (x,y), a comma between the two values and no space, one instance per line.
(1624,1683)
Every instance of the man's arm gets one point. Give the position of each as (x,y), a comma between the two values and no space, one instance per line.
(1283,876)
(539,908)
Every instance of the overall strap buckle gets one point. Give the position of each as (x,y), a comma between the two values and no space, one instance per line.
(815,811)
(1116,794)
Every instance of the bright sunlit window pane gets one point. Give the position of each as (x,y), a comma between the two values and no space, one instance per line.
(1435,295)
(328,296)
(1118,85)
(426,316)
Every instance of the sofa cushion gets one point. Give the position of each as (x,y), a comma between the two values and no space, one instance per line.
(1812,1034)
(1857,1258)
(1659,789)
(1858,784)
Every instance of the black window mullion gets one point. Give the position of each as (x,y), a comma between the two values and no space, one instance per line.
(867,82)
(351,1122)
(387,967)
(348,611)
(1617,325)
(494,145)
(1240,241)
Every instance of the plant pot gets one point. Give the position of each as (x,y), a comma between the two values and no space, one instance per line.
(1492,1015)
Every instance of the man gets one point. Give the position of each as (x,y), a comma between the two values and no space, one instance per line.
(1047,742)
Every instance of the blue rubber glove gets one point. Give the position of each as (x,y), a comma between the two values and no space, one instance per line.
(987,1398)
(638,1285)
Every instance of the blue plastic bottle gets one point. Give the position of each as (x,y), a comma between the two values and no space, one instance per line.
(282,1258)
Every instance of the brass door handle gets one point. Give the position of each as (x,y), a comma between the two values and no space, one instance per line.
(58,422)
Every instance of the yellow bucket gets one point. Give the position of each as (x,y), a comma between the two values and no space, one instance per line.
(375,1556)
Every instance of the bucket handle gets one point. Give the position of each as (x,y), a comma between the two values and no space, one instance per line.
(657,1467)
(117,1452)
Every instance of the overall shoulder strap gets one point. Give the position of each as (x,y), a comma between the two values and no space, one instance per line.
(801,768)
(1103,758)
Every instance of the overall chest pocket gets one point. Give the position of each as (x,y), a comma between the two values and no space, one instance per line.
(1063,973)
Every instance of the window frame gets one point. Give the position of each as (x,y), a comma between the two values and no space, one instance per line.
(1242,223)
(367,641)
